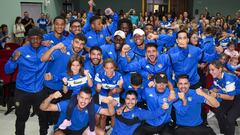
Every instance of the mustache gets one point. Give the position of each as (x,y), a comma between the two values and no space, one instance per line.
(95,59)
(152,56)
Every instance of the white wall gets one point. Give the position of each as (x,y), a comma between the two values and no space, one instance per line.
(10,9)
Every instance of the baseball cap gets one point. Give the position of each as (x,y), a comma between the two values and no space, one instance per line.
(35,31)
(161,78)
(120,33)
(139,32)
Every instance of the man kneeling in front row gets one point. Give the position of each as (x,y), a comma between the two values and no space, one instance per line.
(79,118)
(188,109)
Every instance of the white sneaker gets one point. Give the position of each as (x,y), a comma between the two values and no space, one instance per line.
(50,130)
(65,124)
(109,131)
(210,114)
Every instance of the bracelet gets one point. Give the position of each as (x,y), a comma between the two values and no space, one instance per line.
(65,84)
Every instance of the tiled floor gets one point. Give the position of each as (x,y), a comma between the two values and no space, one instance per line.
(7,124)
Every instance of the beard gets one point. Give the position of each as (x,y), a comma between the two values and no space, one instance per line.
(151,59)
(95,61)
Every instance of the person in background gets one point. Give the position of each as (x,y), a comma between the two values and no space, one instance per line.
(18,30)
(27,22)
(230,51)
(42,22)
(4,35)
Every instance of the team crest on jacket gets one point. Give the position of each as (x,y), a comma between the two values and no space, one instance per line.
(68,53)
(89,37)
(164,100)
(160,65)
(28,56)
(101,36)
(189,99)
(189,55)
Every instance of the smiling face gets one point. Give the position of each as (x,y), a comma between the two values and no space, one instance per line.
(95,57)
(214,71)
(183,85)
(118,42)
(125,28)
(148,29)
(83,99)
(76,28)
(151,54)
(138,39)
(77,45)
(194,39)
(161,87)
(75,67)
(109,69)
(59,26)
(130,101)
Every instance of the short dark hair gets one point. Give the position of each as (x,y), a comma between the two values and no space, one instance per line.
(217,64)
(148,24)
(94,18)
(127,21)
(209,30)
(183,76)
(151,45)
(231,43)
(132,92)
(182,31)
(86,90)
(73,21)
(59,17)
(81,37)
(3,26)
(136,79)
(96,48)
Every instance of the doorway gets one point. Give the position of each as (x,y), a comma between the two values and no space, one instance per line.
(34,9)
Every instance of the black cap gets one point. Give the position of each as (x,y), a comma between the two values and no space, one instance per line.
(35,31)
(161,78)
